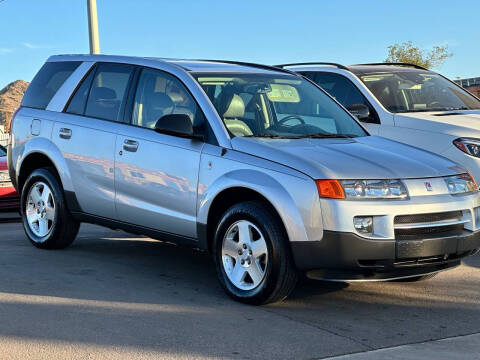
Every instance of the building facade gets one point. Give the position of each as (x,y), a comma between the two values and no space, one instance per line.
(471,84)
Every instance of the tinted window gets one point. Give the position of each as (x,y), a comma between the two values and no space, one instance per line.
(160,94)
(3,151)
(340,88)
(46,83)
(343,90)
(108,91)
(79,100)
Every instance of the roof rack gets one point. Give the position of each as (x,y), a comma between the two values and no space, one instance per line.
(394,64)
(254,65)
(313,63)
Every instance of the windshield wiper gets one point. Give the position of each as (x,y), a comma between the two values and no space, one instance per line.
(328,135)
(272,136)
(436,109)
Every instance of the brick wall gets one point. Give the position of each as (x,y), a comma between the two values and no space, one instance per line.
(475,90)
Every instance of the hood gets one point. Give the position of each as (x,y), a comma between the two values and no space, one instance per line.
(456,123)
(369,157)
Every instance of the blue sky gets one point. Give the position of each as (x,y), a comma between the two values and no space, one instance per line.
(349,31)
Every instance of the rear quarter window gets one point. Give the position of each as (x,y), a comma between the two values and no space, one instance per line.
(46,83)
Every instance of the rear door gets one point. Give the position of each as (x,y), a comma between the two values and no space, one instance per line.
(87,132)
(156,175)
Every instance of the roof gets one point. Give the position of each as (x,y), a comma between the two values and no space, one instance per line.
(186,64)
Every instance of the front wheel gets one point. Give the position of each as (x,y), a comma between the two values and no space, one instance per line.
(46,219)
(252,256)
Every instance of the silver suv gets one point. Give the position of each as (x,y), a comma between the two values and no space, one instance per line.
(255,164)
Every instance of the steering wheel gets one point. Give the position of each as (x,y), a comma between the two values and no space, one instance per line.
(291,117)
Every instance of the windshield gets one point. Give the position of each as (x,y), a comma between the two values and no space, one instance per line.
(413,91)
(3,151)
(285,106)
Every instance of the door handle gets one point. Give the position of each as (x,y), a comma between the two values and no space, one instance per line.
(65,133)
(130,145)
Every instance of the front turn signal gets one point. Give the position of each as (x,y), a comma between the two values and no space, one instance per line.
(330,189)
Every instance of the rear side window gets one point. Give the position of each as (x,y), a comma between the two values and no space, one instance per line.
(108,91)
(79,100)
(46,83)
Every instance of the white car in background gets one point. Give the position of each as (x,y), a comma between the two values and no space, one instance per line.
(406,103)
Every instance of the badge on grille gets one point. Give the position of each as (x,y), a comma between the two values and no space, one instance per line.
(428,186)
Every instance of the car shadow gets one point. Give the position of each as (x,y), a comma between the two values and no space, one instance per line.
(111,287)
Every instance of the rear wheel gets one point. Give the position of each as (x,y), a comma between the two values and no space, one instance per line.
(252,256)
(46,219)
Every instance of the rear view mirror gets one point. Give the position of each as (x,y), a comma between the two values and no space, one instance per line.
(177,125)
(360,111)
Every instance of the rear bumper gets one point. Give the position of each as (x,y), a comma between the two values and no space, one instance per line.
(346,256)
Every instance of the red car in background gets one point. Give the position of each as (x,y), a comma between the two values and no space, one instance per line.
(9,198)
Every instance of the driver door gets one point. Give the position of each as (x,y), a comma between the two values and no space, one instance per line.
(156,175)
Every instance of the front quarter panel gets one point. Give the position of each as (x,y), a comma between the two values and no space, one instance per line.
(292,194)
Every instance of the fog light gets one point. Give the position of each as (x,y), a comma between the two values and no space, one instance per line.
(363,224)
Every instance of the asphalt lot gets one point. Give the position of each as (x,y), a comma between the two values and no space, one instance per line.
(112,295)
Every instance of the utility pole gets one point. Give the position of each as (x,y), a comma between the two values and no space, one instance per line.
(93,27)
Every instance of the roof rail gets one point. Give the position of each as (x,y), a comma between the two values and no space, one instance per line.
(313,63)
(394,64)
(254,65)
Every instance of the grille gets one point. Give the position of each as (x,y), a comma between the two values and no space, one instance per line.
(429,232)
(426,218)
(427,226)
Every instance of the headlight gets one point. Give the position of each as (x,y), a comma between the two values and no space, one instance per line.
(362,189)
(460,184)
(469,146)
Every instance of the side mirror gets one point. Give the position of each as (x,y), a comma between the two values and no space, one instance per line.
(177,125)
(360,111)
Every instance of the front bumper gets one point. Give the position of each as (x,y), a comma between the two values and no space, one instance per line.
(347,256)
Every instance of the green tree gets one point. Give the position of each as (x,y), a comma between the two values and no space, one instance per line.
(408,53)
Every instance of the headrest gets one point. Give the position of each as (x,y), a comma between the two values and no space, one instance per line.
(230,105)
(103,93)
(160,100)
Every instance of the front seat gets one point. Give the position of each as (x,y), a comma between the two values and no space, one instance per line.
(231,107)
(158,105)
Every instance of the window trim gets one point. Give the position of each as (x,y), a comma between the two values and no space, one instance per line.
(74,92)
(372,109)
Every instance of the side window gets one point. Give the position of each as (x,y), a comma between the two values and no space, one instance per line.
(343,91)
(340,88)
(79,100)
(160,94)
(46,83)
(108,91)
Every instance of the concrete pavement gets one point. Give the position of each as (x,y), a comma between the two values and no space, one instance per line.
(112,295)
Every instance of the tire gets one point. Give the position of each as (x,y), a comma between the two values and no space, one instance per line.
(264,272)
(417,278)
(48,225)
